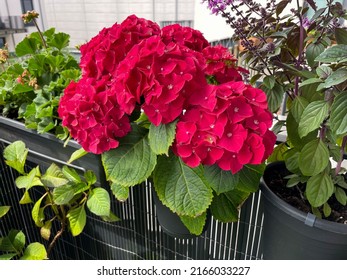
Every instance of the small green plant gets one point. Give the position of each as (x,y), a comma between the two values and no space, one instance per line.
(13,245)
(30,88)
(61,195)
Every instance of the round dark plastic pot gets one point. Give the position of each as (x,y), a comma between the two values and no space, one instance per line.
(289,233)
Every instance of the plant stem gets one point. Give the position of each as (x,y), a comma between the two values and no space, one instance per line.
(40,33)
(59,233)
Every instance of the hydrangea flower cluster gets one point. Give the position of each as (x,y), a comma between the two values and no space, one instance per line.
(169,74)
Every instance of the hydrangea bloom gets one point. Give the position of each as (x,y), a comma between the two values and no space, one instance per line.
(166,74)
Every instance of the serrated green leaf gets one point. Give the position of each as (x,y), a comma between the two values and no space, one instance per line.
(120,192)
(298,107)
(90,177)
(269,82)
(291,158)
(337,77)
(338,119)
(26,46)
(99,202)
(19,88)
(63,194)
(334,54)
(341,196)
(4,210)
(77,220)
(182,189)
(16,155)
(310,81)
(132,162)
(37,213)
(30,180)
(6,257)
(225,207)
(195,225)
(312,117)
(221,181)
(111,218)
(60,40)
(314,158)
(324,71)
(274,96)
(319,189)
(71,174)
(76,155)
(54,177)
(13,242)
(81,187)
(35,251)
(161,137)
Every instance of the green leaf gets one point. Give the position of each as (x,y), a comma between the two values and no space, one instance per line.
(274,96)
(338,119)
(291,158)
(132,162)
(337,77)
(26,46)
(161,137)
(341,36)
(334,54)
(319,189)
(6,257)
(314,158)
(19,88)
(269,82)
(37,213)
(111,218)
(99,202)
(326,209)
(311,81)
(324,71)
(60,40)
(25,198)
(4,210)
(195,225)
(277,154)
(54,177)
(249,177)
(293,181)
(63,194)
(281,6)
(312,117)
(16,155)
(341,196)
(225,207)
(182,189)
(77,220)
(312,51)
(221,181)
(45,231)
(30,180)
(120,192)
(298,107)
(76,155)
(90,177)
(13,242)
(35,251)
(71,174)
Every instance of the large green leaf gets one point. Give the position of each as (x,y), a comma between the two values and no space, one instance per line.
(278,152)
(337,77)
(274,96)
(338,119)
(35,251)
(26,46)
(161,137)
(312,51)
(314,158)
(319,189)
(195,225)
(312,117)
(181,188)
(221,181)
(120,192)
(63,194)
(60,40)
(298,106)
(225,207)
(30,180)
(71,174)
(77,220)
(333,54)
(4,210)
(15,155)
(13,242)
(99,202)
(77,154)
(132,162)
(54,177)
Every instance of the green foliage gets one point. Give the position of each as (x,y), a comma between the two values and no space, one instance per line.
(30,88)
(65,196)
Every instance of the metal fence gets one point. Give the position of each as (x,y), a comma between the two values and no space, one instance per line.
(138,235)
